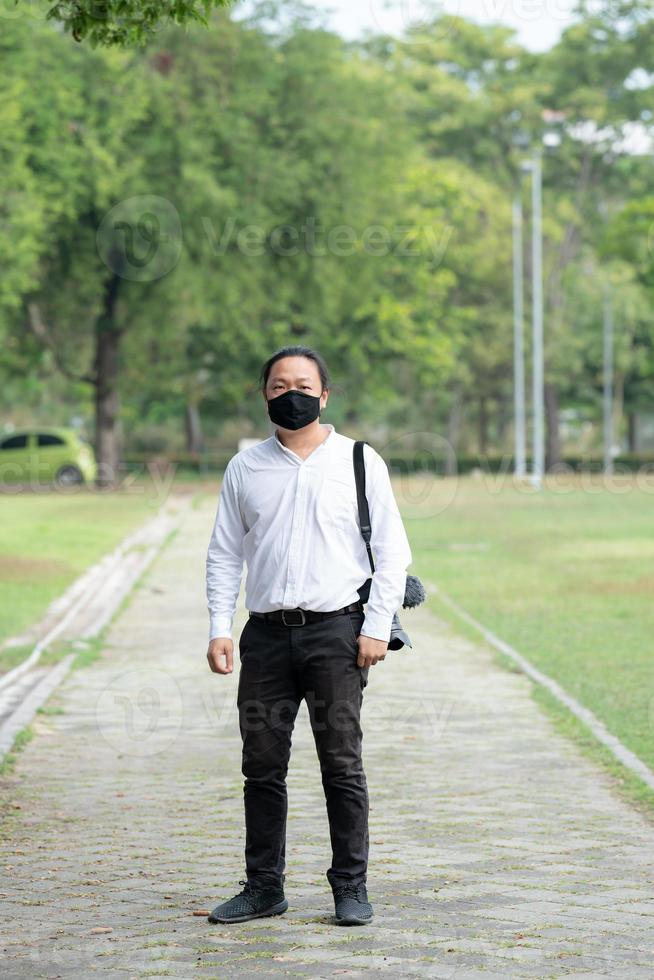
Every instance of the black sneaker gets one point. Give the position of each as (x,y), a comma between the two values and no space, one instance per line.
(254,901)
(352,905)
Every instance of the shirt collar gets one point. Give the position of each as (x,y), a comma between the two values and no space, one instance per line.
(291,455)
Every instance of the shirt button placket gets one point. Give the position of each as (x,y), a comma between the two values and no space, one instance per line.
(290,598)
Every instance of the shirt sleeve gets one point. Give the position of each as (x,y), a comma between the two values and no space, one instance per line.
(224,566)
(391,551)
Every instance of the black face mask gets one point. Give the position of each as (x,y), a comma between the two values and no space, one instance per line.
(294,409)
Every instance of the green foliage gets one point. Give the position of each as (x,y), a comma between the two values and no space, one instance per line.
(355,197)
(127,22)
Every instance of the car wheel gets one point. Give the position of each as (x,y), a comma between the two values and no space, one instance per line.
(68,476)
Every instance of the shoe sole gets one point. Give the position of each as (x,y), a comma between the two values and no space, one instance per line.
(273,910)
(352,920)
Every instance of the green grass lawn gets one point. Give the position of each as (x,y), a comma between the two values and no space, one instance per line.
(567,578)
(48,539)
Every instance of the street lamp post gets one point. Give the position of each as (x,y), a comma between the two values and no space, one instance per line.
(608,380)
(534,167)
(518,351)
(537,317)
(551,138)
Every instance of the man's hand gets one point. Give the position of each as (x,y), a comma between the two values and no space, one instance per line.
(371,650)
(221,655)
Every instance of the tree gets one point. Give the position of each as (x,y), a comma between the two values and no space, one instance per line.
(174,213)
(473,93)
(268,131)
(124,22)
(82,155)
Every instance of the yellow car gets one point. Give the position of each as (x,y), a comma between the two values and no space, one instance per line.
(46,455)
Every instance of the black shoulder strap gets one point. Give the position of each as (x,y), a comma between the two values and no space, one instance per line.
(362,501)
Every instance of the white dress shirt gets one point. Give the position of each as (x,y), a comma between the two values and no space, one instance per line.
(295,524)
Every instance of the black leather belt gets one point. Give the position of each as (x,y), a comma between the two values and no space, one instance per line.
(298,617)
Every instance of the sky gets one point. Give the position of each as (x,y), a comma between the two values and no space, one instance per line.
(538,22)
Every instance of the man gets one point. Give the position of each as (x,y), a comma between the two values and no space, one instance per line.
(288,508)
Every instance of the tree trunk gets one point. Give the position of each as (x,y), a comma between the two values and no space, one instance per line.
(453,431)
(618,407)
(106,389)
(553,436)
(504,419)
(482,421)
(193,427)
(632,432)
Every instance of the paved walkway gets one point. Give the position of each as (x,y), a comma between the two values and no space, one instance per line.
(496,849)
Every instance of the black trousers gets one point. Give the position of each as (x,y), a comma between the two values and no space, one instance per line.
(281,665)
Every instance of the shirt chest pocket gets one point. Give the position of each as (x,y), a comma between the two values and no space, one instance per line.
(336,505)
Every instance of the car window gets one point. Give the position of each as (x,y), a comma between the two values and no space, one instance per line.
(14,442)
(45,439)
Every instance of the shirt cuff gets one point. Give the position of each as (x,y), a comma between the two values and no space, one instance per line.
(220,625)
(377,626)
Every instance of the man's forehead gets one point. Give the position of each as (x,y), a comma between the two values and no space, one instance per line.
(299,372)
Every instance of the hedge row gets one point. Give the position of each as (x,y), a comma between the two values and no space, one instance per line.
(420,461)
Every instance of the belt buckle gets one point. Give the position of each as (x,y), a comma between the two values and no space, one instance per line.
(294,611)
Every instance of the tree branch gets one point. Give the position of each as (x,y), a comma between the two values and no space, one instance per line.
(37,325)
